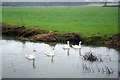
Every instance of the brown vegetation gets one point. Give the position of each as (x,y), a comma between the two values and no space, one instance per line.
(45,36)
(38,34)
(114,41)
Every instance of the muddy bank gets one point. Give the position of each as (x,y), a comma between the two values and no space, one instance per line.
(114,41)
(48,36)
(38,34)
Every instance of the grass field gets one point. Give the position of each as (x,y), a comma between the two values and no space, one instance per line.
(84,20)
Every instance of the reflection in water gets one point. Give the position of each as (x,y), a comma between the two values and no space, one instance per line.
(63,66)
(68,52)
(80,51)
(52,59)
(34,63)
(12,64)
(101,70)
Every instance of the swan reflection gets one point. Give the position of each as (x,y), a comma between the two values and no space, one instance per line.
(52,59)
(68,52)
(34,63)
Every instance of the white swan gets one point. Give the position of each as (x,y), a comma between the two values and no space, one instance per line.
(77,46)
(30,57)
(50,53)
(66,46)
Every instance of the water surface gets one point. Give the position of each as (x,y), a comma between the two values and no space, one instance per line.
(65,63)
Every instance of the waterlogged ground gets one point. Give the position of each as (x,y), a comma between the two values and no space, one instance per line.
(65,63)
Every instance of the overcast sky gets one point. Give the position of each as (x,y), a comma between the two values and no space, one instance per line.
(59,0)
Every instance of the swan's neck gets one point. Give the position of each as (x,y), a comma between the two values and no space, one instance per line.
(79,43)
(68,43)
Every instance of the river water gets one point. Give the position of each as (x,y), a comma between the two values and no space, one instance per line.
(65,63)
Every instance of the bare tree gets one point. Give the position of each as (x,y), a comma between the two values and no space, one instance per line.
(105,4)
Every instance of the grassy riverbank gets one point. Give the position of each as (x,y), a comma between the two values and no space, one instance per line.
(84,20)
(92,25)
(24,33)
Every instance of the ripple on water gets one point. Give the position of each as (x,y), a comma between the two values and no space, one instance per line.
(66,63)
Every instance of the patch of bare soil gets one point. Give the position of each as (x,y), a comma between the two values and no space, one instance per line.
(20,31)
(38,34)
(49,37)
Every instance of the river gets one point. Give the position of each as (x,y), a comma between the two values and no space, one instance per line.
(65,63)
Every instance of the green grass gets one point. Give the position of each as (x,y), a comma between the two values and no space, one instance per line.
(84,20)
